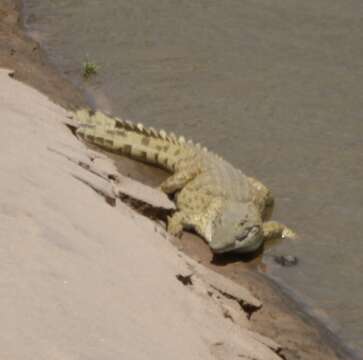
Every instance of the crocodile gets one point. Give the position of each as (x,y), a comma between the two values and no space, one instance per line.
(213,198)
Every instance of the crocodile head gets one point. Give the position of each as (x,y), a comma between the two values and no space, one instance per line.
(237,228)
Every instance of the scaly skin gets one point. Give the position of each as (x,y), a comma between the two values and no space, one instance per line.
(212,197)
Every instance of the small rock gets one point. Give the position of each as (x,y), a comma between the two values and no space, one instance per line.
(286,260)
(185,279)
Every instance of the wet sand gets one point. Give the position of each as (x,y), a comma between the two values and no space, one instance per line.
(278,317)
(29,61)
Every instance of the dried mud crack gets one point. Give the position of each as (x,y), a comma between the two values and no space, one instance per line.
(248,308)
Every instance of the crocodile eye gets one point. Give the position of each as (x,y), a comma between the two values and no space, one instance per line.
(255,229)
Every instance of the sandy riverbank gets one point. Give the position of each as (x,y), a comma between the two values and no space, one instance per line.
(83,278)
(275,319)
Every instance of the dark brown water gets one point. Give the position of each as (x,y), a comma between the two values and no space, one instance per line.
(276,87)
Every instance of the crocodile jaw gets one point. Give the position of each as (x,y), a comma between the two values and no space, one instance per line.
(237,228)
(249,244)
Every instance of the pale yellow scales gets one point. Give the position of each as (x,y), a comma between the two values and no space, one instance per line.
(213,198)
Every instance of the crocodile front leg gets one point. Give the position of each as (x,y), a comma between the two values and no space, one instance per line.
(198,215)
(274,230)
(176,223)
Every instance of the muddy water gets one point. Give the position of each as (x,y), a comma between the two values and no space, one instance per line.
(275,87)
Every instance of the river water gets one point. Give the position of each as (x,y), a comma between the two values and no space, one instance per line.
(276,87)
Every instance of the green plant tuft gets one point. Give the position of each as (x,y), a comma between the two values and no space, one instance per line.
(89,69)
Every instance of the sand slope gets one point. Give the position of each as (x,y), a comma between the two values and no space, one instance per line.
(80,279)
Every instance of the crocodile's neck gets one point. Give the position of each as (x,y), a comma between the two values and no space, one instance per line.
(134,140)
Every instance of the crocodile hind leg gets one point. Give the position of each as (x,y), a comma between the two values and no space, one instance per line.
(178,180)
(261,195)
(274,230)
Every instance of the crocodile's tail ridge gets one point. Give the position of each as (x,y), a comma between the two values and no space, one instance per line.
(90,118)
(134,140)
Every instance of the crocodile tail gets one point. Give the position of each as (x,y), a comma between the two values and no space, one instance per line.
(132,139)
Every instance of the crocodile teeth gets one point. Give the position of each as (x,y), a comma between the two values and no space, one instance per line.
(190,142)
(140,127)
(181,139)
